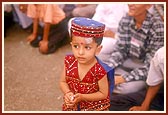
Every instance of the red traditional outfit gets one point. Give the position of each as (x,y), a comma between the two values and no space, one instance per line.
(89,84)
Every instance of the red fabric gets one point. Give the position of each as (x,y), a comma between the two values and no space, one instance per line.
(89,84)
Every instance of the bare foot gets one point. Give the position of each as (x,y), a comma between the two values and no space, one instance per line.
(31,37)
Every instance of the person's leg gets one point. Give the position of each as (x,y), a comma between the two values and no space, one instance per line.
(123,102)
(130,87)
(44,42)
(35,30)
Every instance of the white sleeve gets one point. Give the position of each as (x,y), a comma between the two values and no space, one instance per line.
(156,70)
(110,14)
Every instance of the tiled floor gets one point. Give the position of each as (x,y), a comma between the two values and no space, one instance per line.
(31,79)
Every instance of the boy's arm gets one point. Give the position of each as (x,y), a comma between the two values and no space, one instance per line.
(63,85)
(101,94)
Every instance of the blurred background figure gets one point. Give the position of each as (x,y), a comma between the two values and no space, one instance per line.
(48,14)
(110,15)
(20,16)
(84,10)
(8,18)
(157,10)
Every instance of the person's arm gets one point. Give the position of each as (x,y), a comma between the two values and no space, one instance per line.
(121,47)
(63,84)
(156,41)
(151,93)
(68,94)
(101,94)
(154,80)
(46,31)
(109,33)
(142,73)
(33,36)
(31,12)
(44,42)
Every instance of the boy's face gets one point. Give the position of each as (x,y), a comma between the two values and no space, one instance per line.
(84,49)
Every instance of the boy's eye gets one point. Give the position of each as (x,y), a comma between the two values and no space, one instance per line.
(75,46)
(88,47)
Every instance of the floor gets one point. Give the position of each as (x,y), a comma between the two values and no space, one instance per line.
(31,79)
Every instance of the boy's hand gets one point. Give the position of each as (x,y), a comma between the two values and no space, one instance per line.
(68,99)
(77,98)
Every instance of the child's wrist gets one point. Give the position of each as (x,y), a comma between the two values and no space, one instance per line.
(67,92)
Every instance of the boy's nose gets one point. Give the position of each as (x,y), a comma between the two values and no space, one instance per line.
(81,51)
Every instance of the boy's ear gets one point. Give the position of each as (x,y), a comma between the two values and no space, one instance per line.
(99,49)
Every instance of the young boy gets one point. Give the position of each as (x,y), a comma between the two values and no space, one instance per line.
(84,80)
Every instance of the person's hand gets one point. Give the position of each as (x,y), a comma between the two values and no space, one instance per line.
(109,33)
(77,98)
(43,46)
(139,108)
(31,37)
(119,79)
(68,99)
